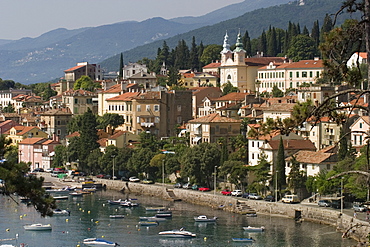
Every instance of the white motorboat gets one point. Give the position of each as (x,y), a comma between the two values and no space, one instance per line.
(152,218)
(155,208)
(116,216)
(76,193)
(98,242)
(254,229)
(61,212)
(38,227)
(128,203)
(115,202)
(60,197)
(204,218)
(64,190)
(164,215)
(245,240)
(148,223)
(181,233)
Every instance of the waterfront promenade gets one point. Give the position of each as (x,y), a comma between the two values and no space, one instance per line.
(356,228)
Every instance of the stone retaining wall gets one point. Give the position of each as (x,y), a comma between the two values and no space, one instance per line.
(351,227)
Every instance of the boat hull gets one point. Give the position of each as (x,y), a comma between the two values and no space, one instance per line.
(37,227)
(253,229)
(250,240)
(98,242)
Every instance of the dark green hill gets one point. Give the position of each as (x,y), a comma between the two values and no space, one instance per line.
(255,22)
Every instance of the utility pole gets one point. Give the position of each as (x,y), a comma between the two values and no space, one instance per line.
(215,178)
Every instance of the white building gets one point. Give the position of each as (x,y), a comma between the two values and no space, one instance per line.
(132,69)
(361,57)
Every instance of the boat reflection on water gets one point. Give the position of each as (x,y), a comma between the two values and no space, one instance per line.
(176,242)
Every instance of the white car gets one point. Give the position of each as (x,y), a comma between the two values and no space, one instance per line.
(236,193)
(134,179)
(254,196)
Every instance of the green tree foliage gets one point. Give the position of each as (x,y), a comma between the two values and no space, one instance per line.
(6,84)
(315,33)
(229,88)
(302,47)
(211,53)
(236,172)
(276,92)
(296,178)
(182,55)
(263,43)
(60,157)
(271,47)
(280,166)
(43,89)
(88,137)
(198,163)
(120,69)
(326,27)
(86,83)
(194,57)
(140,161)
(261,174)
(247,44)
(9,108)
(110,119)
(15,181)
(173,77)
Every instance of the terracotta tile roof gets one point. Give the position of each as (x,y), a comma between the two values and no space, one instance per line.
(58,111)
(310,157)
(124,97)
(47,142)
(260,61)
(74,68)
(6,114)
(214,118)
(233,97)
(78,92)
(279,107)
(229,106)
(113,89)
(188,75)
(212,65)
(11,122)
(117,134)
(74,134)
(314,64)
(149,95)
(33,140)
(102,142)
(329,149)
(265,137)
(27,129)
(293,145)
(363,54)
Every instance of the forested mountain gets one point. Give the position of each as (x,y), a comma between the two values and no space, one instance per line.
(254,22)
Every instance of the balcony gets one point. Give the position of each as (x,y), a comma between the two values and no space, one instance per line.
(147,124)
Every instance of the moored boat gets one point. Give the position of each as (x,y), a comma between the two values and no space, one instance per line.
(148,223)
(181,233)
(204,218)
(250,240)
(98,242)
(116,216)
(60,197)
(61,212)
(38,227)
(254,229)
(155,208)
(152,218)
(76,193)
(163,215)
(128,203)
(115,202)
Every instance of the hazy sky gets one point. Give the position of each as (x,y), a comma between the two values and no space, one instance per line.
(31,18)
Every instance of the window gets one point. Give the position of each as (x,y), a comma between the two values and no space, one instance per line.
(252,144)
(156,107)
(290,74)
(229,77)
(138,108)
(88,101)
(179,119)
(252,156)
(328,166)
(317,73)
(310,74)
(297,74)
(304,73)
(147,108)
(178,107)
(76,101)
(360,125)
(59,132)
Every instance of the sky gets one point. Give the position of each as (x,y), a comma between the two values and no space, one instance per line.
(31,18)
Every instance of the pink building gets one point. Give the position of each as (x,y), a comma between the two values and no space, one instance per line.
(38,151)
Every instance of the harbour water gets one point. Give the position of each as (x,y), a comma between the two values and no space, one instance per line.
(89,218)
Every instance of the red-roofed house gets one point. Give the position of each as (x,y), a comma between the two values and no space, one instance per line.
(7,125)
(78,101)
(19,133)
(121,139)
(199,93)
(360,57)
(289,75)
(91,70)
(38,151)
(212,127)
(360,132)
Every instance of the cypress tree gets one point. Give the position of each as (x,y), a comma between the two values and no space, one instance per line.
(263,43)
(343,145)
(271,43)
(315,33)
(120,71)
(326,27)
(194,58)
(305,31)
(280,166)
(200,53)
(247,44)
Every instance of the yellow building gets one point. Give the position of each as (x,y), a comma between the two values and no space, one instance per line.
(19,133)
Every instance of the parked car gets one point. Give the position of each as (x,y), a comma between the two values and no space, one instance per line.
(100,176)
(186,186)
(147,181)
(226,192)
(50,170)
(324,203)
(359,207)
(336,204)
(245,195)
(56,173)
(270,198)
(290,199)
(107,176)
(204,189)
(178,185)
(254,196)
(194,187)
(236,193)
(134,179)
(38,170)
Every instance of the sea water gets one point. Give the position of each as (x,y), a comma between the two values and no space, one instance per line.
(89,218)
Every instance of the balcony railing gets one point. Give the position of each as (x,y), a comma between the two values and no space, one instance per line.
(147,124)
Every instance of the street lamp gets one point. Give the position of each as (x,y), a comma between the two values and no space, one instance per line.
(341,195)
(214,185)
(113,156)
(163,172)
(276,186)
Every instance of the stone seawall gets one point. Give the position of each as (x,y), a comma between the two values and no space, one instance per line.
(351,227)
